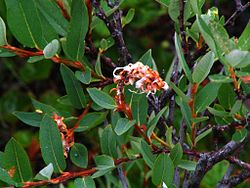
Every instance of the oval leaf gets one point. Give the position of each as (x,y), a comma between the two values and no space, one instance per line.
(123,125)
(29,118)
(17,159)
(85,182)
(51,144)
(51,49)
(79,155)
(101,98)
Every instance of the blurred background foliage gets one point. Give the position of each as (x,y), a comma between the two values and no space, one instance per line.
(151,28)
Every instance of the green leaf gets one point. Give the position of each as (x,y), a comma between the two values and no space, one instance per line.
(27,28)
(169,134)
(5,177)
(236,107)
(53,16)
(237,58)
(98,67)
(195,5)
(216,112)
(108,142)
(244,40)
(44,108)
(147,59)
(163,170)
(202,135)
(163,2)
(152,124)
(51,144)
(78,30)
(206,96)
(129,17)
(16,157)
(187,165)
(3,40)
(181,57)
(91,120)
(200,119)
(186,111)
(73,87)
(203,67)
(51,49)
(29,118)
(179,92)
(176,154)
(218,78)
(104,162)
(79,155)
(45,173)
(35,59)
(123,125)
(206,34)
(147,154)
(174,10)
(101,98)
(84,77)
(85,182)
(239,135)
(139,108)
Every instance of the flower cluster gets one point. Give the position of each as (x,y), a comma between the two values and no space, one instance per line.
(66,135)
(141,76)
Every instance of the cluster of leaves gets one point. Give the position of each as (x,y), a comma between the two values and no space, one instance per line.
(211,91)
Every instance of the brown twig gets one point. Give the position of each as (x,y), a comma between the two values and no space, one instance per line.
(63,9)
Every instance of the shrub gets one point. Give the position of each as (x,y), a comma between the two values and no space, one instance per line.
(121,120)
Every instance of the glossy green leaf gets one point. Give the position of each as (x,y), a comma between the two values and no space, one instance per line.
(202,135)
(147,59)
(5,177)
(244,40)
(123,125)
(187,165)
(16,157)
(163,170)
(78,30)
(176,154)
(181,57)
(27,28)
(237,58)
(91,120)
(79,155)
(152,124)
(84,182)
(29,118)
(147,154)
(84,77)
(3,40)
(206,96)
(195,5)
(239,135)
(139,108)
(101,98)
(53,16)
(236,107)
(174,10)
(108,142)
(202,69)
(51,49)
(51,144)
(45,173)
(73,87)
